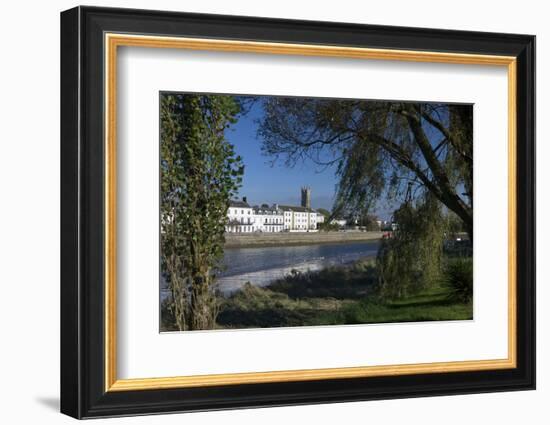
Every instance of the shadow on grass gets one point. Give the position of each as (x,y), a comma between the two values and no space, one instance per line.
(255,307)
(267,317)
(442,302)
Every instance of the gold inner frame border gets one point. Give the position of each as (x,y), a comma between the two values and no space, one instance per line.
(111,43)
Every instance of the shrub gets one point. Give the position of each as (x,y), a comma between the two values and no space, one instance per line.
(339,282)
(458,277)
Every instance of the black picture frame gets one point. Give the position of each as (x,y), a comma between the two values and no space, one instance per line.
(83,392)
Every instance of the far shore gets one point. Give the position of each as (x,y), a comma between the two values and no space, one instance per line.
(247,240)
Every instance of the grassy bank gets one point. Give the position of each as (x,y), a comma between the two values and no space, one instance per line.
(334,296)
(341,295)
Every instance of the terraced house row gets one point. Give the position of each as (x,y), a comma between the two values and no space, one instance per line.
(243,218)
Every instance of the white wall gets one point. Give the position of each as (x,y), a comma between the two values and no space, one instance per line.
(29,225)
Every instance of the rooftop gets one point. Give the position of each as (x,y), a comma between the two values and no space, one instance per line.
(269,210)
(239,204)
(295,209)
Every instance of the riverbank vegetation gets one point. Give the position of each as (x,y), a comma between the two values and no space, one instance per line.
(344,295)
(341,295)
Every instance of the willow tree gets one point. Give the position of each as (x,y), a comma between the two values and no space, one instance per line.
(200,173)
(379,148)
(411,260)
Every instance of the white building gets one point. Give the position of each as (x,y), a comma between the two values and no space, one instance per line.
(268,219)
(300,219)
(242,218)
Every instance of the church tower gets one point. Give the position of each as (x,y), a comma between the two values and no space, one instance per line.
(306,197)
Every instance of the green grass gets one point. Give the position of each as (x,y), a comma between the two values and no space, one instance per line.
(334,296)
(431,304)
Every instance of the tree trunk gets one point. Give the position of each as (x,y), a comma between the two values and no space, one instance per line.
(202,312)
(445,192)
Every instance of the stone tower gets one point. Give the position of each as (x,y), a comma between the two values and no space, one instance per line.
(306,197)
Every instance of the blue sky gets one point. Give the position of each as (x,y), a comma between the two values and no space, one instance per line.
(278,183)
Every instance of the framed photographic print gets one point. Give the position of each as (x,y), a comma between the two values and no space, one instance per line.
(261,212)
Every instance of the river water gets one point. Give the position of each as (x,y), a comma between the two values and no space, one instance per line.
(261,266)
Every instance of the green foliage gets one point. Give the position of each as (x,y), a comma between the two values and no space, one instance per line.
(410,261)
(454,225)
(458,277)
(368,222)
(200,172)
(327,226)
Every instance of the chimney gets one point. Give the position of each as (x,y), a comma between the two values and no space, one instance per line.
(244,199)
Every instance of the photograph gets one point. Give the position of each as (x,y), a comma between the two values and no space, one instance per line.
(278,210)
(303,211)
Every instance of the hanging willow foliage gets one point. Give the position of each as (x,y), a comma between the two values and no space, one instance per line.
(411,260)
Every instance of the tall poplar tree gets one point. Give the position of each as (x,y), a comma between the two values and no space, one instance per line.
(200,173)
